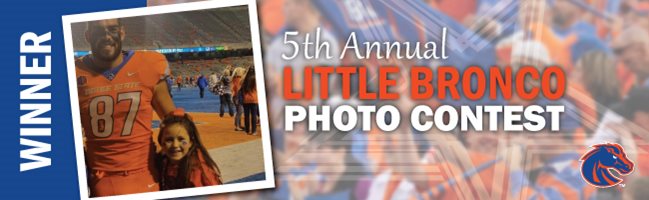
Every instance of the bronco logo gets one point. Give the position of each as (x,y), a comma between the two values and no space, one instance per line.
(597,163)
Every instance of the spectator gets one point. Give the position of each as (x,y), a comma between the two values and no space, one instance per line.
(170,82)
(202,84)
(226,93)
(566,19)
(632,49)
(631,127)
(250,103)
(179,81)
(213,79)
(237,97)
(593,72)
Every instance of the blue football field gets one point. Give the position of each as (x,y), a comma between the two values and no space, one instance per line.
(189,99)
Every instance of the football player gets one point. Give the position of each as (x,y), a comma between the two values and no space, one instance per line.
(118,92)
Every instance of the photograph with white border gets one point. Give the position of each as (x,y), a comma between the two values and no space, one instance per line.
(168,101)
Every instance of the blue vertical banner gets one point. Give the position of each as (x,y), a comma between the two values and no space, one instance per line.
(46,141)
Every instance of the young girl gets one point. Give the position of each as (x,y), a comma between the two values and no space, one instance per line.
(185,162)
(250,103)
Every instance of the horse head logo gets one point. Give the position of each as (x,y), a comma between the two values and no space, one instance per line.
(597,163)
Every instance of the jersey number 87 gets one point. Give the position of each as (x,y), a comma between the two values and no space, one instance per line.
(102,123)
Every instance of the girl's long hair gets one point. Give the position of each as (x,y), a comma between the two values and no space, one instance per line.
(191,159)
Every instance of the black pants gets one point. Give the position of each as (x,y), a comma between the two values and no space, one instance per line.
(251,111)
(202,93)
(226,100)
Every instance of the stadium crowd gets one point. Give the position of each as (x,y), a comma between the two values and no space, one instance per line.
(602,45)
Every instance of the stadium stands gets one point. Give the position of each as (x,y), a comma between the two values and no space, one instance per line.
(223,27)
(207,66)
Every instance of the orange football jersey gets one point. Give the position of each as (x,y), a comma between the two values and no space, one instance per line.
(116,111)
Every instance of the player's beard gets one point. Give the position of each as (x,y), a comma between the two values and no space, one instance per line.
(107,50)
